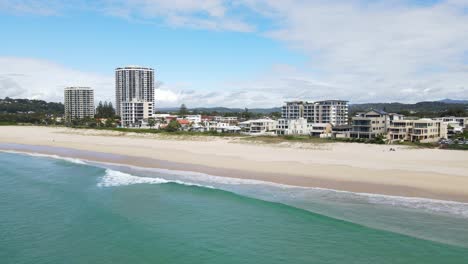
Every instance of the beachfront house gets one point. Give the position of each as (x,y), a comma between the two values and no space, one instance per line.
(462,121)
(420,130)
(298,126)
(370,124)
(258,127)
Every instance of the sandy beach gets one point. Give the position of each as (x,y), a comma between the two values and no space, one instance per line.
(413,172)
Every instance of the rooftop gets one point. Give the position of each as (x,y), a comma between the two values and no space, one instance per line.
(134,67)
(78,88)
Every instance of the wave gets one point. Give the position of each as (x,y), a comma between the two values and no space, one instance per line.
(34,154)
(190,178)
(221,182)
(114,178)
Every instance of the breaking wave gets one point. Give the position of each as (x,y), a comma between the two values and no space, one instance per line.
(114,178)
(72,160)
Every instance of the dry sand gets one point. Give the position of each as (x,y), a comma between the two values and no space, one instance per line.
(430,173)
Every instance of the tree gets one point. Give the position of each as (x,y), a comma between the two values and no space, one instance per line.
(109,122)
(183,110)
(105,110)
(173,126)
(151,122)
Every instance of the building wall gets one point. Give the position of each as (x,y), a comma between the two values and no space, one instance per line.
(78,102)
(422,130)
(369,125)
(136,113)
(134,84)
(334,112)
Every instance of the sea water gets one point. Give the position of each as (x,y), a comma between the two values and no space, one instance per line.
(55,210)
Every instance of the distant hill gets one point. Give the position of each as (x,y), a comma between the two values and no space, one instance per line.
(428,109)
(13,106)
(452,101)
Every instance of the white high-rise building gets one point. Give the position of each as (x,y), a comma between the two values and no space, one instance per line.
(134,94)
(334,112)
(79,103)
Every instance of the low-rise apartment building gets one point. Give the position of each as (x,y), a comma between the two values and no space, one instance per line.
(298,126)
(226,119)
(400,130)
(322,130)
(426,130)
(421,130)
(370,124)
(462,121)
(259,127)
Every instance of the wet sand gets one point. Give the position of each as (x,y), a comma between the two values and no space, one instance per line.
(437,174)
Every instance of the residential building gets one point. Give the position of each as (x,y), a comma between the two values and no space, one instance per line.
(226,119)
(334,112)
(293,110)
(421,130)
(196,119)
(78,102)
(323,130)
(134,94)
(395,117)
(297,126)
(462,121)
(342,131)
(426,130)
(370,124)
(135,113)
(400,130)
(258,127)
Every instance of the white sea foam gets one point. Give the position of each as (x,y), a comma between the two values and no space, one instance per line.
(424,204)
(190,178)
(114,178)
(34,154)
(431,205)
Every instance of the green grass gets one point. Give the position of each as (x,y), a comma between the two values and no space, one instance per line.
(281,139)
(162,132)
(6,123)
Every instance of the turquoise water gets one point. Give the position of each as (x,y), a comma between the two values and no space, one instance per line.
(56,211)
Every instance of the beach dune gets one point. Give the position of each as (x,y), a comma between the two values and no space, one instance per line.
(414,172)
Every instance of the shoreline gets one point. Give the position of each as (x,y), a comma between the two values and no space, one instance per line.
(216,158)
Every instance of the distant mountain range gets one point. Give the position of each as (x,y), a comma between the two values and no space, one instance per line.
(436,106)
(451,101)
(223,110)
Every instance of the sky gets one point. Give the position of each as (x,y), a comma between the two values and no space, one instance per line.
(244,53)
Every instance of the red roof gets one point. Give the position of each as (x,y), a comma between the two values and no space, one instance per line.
(183,122)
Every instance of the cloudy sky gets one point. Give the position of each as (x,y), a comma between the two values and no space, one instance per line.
(244,53)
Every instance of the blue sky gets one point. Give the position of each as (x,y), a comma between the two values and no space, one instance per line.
(248,53)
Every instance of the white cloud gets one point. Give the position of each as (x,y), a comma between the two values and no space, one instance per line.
(358,50)
(379,50)
(41,79)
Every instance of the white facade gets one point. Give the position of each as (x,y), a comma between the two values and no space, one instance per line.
(292,127)
(334,112)
(134,94)
(462,121)
(78,102)
(136,113)
(196,119)
(259,127)
(226,119)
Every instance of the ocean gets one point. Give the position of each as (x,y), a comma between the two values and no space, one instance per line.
(61,210)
